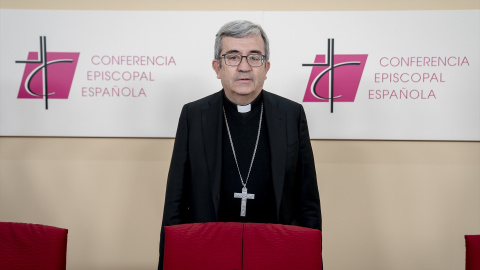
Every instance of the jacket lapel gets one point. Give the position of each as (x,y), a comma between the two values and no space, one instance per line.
(212,125)
(276,125)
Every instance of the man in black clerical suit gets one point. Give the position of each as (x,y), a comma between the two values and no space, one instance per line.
(242,154)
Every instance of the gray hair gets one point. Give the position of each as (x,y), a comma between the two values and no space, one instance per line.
(240,29)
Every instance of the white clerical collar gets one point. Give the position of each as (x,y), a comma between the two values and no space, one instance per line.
(244,109)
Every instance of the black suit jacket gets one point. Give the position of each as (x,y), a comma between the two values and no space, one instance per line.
(194,178)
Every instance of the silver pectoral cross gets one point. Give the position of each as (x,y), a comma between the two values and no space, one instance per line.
(244,196)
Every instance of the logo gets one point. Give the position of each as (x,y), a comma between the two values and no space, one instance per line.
(344,73)
(47,75)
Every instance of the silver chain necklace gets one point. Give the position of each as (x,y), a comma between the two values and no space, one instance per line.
(244,195)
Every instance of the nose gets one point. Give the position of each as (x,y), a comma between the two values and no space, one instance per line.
(244,65)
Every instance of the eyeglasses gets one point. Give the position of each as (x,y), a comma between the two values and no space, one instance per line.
(234,59)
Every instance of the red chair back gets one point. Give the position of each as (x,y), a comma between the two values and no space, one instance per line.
(242,246)
(32,246)
(472,258)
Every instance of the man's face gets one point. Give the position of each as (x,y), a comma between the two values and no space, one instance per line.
(242,82)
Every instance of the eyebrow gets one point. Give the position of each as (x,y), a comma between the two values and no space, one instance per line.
(256,51)
(232,51)
(236,51)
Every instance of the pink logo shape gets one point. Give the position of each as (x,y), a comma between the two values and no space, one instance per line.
(334,78)
(47,75)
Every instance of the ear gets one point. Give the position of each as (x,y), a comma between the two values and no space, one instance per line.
(216,67)
(267,68)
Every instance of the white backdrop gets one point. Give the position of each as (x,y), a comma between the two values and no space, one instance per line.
(136,69)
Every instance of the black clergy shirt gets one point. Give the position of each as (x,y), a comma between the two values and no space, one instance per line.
(244,130)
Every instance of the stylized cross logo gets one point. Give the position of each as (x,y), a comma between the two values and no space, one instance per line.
(330,65)
(40,64)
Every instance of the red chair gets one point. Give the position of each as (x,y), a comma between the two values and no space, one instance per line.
(472,246)
(32,246)
(242,246)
